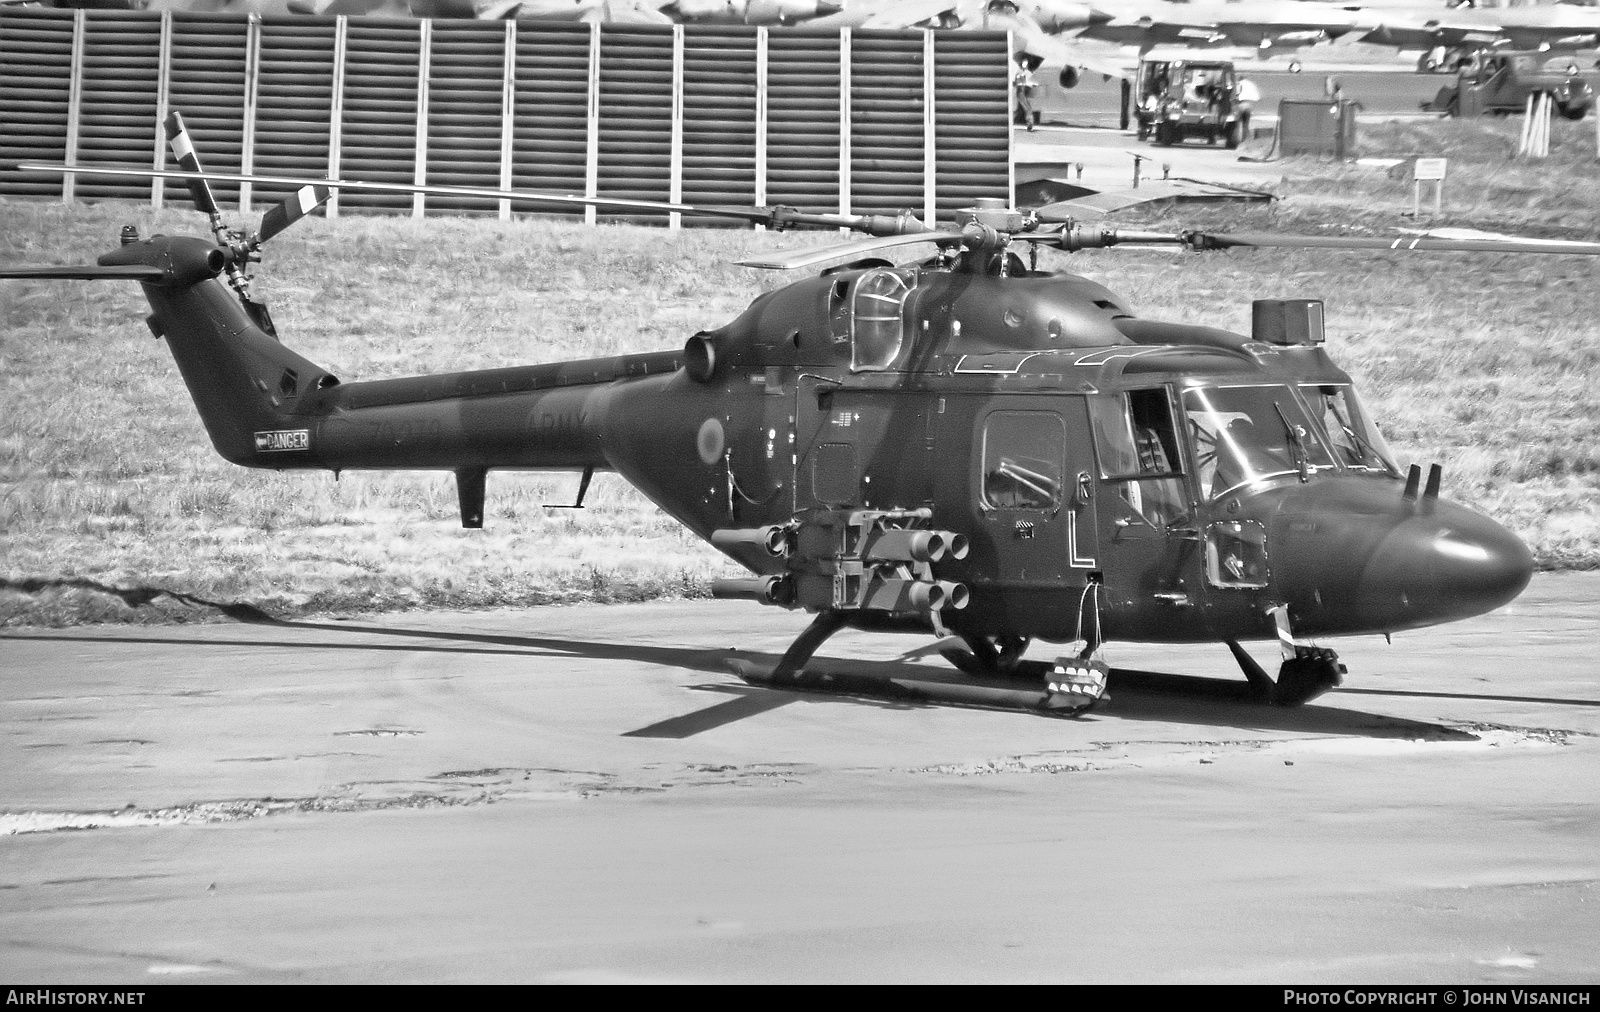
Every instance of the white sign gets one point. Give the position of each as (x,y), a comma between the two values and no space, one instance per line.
(279,440)
(1429,168)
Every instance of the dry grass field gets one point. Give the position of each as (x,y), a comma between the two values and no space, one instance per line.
(1487,363)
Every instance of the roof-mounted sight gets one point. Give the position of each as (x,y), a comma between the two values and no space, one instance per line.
(1287,321)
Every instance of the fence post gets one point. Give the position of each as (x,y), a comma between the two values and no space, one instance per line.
(419,170)
(158,186)
(844,123)
(84,145)
(508,115)
(930,161)
(252,87)
(761,121)
(675,159)
(69,182)
(341,43)
(1011,129)
(591,181)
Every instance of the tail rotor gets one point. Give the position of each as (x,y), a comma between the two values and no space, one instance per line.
(241,248)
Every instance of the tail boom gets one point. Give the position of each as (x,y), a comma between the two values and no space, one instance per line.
(266,406)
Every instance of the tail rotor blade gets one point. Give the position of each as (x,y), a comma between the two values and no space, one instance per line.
(183,150)
(294,207)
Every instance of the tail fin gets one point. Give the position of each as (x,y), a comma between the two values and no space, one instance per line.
(249,388)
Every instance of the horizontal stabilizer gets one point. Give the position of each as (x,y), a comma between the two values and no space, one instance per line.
(88,272)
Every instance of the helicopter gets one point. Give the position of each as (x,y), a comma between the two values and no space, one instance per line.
(962,445)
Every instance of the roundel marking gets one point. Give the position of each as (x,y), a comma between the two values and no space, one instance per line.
(709,441)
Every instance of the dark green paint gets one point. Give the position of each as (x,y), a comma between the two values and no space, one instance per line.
(782,426)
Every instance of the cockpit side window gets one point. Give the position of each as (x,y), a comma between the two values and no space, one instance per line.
(1137,445)
(877,320)
(1134,434)
(1154,438)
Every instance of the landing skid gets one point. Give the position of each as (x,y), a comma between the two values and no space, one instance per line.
(1072,684)
(1068,687)
(1002,679)
(1011,694)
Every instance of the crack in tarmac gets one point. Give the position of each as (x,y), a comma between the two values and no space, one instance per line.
(488,785)
(449,789)
(1148,754)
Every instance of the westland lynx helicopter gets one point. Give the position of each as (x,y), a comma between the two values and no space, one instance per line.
(963,446)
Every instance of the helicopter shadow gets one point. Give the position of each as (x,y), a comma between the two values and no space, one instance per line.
(1133,695)
(1219,702)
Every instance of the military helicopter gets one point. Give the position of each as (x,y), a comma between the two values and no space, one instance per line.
(964,446)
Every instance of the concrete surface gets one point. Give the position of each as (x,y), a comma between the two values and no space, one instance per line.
(458,797)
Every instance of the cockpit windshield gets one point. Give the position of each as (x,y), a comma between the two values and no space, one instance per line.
(1356,442)
(1243,435)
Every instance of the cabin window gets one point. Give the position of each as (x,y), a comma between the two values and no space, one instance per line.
(1137,446)
(1355,441)
(1023,454)
(877,322)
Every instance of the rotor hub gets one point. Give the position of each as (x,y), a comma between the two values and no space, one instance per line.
(992,212)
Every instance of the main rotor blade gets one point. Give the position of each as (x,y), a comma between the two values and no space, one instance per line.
(1421,244)
(779,217)
(87,272)
(837,251)
(1077,236)
(183,150)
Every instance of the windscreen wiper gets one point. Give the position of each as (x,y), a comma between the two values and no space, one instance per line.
(1297,446)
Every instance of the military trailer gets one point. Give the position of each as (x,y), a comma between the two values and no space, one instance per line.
(1179,99)
(1500,82)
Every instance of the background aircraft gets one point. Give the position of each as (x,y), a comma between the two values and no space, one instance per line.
(1263,24)
(1422,27)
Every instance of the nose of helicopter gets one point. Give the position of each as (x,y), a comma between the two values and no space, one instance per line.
(1443,565)
(1353,555)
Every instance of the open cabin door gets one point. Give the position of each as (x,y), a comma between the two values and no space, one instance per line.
(1149,546)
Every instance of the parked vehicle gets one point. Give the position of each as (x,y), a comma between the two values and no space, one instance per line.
(1500,82)
(1179,99)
